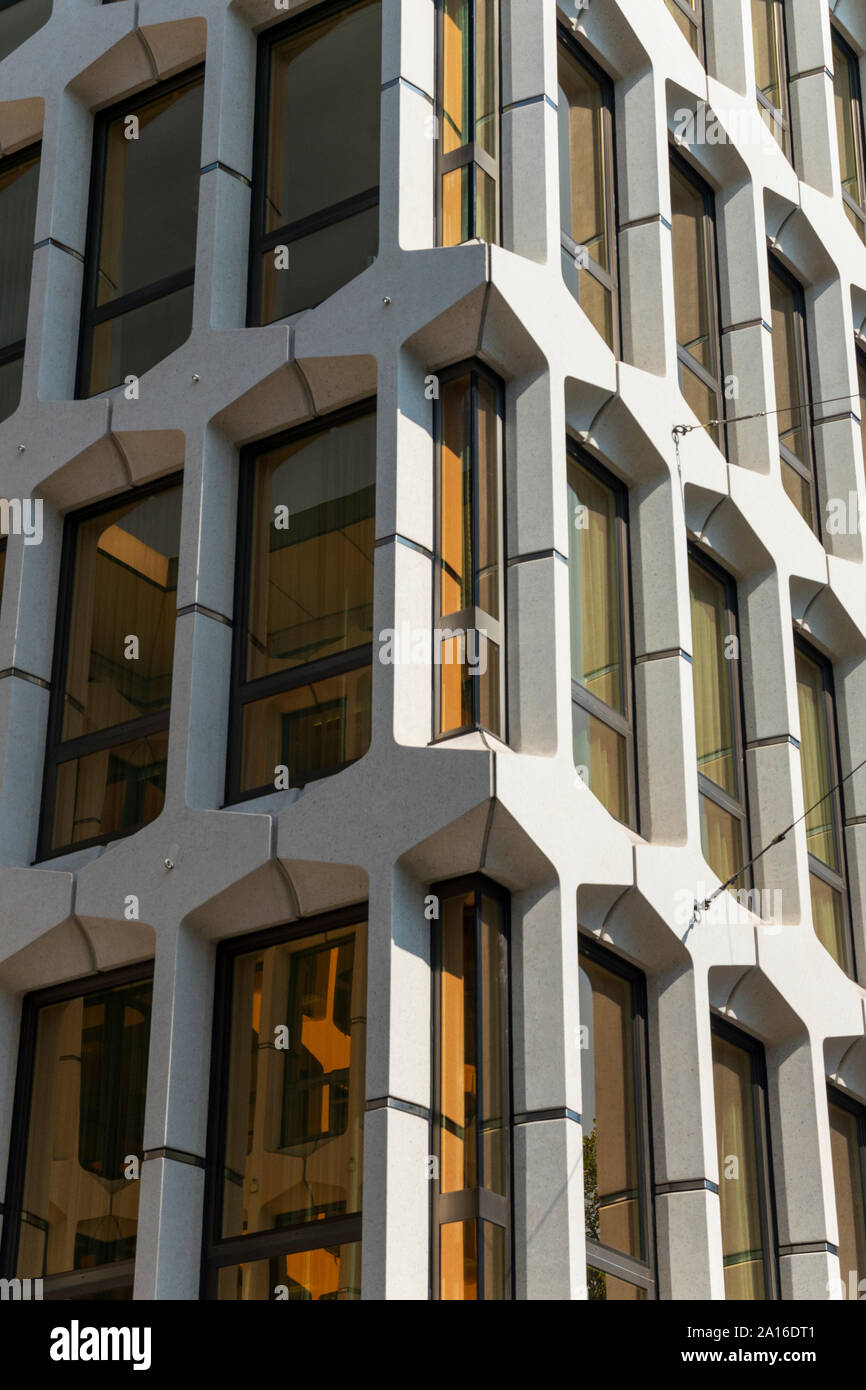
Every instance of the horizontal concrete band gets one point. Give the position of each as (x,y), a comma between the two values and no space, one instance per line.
(531,1117)
(407,1107)
(665,1189)
(175,1155)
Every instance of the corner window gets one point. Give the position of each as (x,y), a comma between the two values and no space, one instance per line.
(285,1173)
(601,660)
(316,173)
(771,69)
(111,687)
(469,601)
(468,99)
(822,799)
(472,1093)
(141,238)
(848,1150)
(303,605)
(19,19)
(617,1167)
(849,131)
(791,374)
(587,188)
(19,184)
(689,19)
(72,1190)
(718,718)
(745,1165)
(696,303)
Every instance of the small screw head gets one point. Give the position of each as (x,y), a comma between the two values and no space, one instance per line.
(22,448)
(169,863)
(196,377)
(386,300)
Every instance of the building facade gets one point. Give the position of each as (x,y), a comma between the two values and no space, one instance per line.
(433,649)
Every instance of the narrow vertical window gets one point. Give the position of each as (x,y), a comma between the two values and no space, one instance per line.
(745,1165)
(469,639)
(793,412)
(19,19)
(140,265)
(2,568)
(315,219)
(587,188)
(861,386)
(771,68)
(304,605)
(688,17)
(108,723)
(695,297)
(601,664)
(718,718)
(849,131)
(617,1176)
(19,183)
(78,1127)
(472,1093)
(285,1170)
(469,121)
(848,1149)
(819,762)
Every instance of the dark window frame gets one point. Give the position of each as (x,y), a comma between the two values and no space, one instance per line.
(218,1251)
(57,748)
(467,618)
(781,32)
(471,154)
(738,808)
(471,1203)
(642,1273)
(261,241)
(609,280)
(763,1146)
(243,692)
(695,18)
(843,1100)
(13,352)
(837,881)
(93,314)
(69,1284)
(807,470)
(860,411)
(840,43)
(585,699)
(716,384)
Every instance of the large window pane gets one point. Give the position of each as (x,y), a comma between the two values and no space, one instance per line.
(740,1182)
(294,1117)
(319,178)
(125,585)
(308,604)
(18,22)
(849,126)
(596,588)
(787,369)
(19,182)
(106,769)
(691,271)
(610,1144)
(815,762)
(604,753)
(141,263)
(712,679)
(79,1207)
(847,1140)
(687,16)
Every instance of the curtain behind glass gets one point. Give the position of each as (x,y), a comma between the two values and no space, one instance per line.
(742,1238)
(18,190)
(594,588)
(711,677)
(848,1183)
(814,762)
